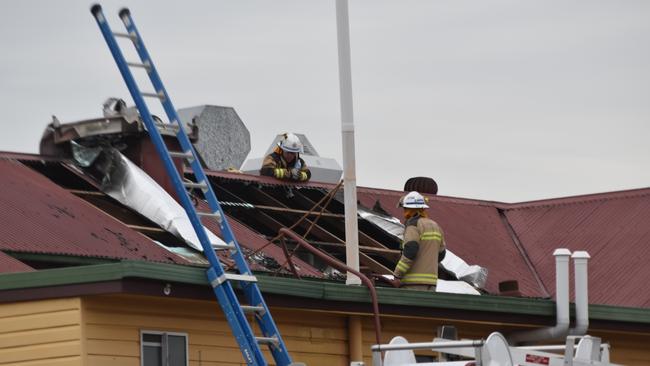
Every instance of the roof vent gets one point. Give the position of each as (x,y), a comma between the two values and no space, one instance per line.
(421,185)
(223,139)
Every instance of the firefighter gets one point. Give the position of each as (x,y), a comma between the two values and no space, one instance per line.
(423,246)
(284,162)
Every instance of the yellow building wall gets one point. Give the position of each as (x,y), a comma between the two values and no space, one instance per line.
(46,332)
(632,349)
(105,330)
(113,325)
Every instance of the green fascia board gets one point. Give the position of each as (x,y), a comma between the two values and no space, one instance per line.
(309,288)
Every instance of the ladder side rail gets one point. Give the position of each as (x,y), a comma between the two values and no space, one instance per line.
(251,290)
(267,324)
(183,139)
(161,148)
(156,138)
(224,291)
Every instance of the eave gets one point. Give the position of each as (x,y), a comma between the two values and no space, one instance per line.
(146,278)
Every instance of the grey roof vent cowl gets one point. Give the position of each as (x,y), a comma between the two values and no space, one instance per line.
(223,139)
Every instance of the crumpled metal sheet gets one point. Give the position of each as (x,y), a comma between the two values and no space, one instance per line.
(472,274)
(389,224)
(134,188)
(84,156)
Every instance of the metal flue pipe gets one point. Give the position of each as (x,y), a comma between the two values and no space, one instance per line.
(341,267)
(561,327)
(347,132)
(580,260)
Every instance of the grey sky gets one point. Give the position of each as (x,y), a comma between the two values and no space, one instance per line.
(501,100)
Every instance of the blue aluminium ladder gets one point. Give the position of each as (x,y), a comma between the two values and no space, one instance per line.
(220,281)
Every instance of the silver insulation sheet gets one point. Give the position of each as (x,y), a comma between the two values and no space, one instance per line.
(134,188)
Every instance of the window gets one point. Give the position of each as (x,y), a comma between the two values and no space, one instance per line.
(163,348)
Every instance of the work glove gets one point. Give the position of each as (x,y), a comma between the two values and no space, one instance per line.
(295,174)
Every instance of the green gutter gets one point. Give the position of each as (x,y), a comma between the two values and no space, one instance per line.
(307,288)
(58,258)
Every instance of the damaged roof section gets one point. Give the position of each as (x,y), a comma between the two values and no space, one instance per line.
(80,183)
(41,217)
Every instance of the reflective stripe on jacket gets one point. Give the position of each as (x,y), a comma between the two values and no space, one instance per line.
(423,269)
(275,166)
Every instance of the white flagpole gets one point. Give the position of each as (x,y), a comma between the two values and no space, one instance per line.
(347,132)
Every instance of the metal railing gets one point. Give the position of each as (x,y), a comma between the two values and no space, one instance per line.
(377,349)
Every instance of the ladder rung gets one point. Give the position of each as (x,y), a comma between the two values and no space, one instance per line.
(130,36)
(182,154)
(240,277)
(159,95)
(252,309)
(201,185)
(145,65)
(223,246)
(233,277)
(216,215)
(166,126)
(268,340)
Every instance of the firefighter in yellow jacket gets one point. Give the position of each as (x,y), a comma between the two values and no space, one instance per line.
(423,246)
(285,162)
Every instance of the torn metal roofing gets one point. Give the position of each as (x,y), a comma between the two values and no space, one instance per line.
(474,230)
(40,217)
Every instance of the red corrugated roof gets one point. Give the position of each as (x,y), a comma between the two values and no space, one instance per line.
(9,264)
(513,241)
(613,227)
(40,217)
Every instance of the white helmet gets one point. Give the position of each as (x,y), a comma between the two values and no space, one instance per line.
(413,200)
(291,143)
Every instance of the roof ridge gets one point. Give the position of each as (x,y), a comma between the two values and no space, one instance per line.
(591,197)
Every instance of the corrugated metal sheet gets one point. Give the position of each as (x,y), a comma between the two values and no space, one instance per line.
(9,264)
(613,227)
(40,217)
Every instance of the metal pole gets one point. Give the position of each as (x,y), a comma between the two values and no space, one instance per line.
(347,132)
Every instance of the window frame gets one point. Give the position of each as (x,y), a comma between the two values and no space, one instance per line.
(163,344)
